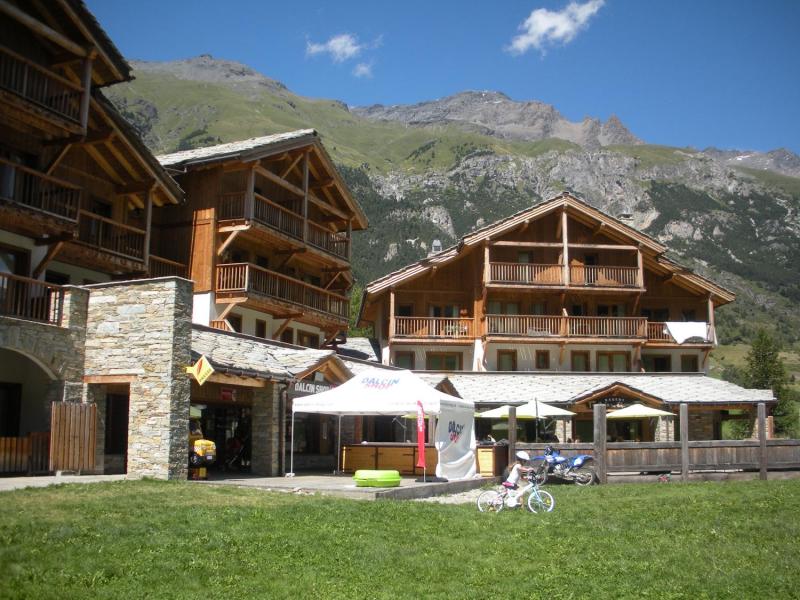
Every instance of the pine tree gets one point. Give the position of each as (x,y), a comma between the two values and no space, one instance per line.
(765,369)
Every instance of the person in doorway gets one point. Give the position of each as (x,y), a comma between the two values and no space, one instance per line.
(517,470)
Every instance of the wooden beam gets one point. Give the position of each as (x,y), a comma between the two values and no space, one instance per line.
(606,247)
(123,161)
(299,192)
(243,381)
(41,29)
(565,242)
(639,268)
(52,251)
(305,196)
(101,379)
(88,34)
(279,332)
(323,183)
(148,226)
(104,164)
(292,165)
(330,338)
(228,308)
(333,279)
(137,187)
(528,244)
(86,81)
(391,313)
(600,227)
(684,429)
(228,241)
(59,157)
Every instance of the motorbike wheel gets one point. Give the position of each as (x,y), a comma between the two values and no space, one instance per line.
(541,502)
(584,476)
(540,472)
(490,501)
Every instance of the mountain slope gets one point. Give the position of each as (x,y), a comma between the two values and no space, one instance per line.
(437,170)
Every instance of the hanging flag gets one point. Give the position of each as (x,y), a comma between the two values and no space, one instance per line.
(420,436)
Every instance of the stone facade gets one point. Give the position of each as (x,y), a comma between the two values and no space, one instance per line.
(266,431)
(141,330)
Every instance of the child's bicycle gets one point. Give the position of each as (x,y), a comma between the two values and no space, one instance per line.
(495,500)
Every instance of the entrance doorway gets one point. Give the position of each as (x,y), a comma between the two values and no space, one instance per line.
(116,436)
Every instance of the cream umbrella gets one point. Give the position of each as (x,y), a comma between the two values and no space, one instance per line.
(531,410)
(638,411)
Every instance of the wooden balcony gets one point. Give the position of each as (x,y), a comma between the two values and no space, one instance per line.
(528,274)
(33,203)
(245,280)
(434,327)
(602,276)
(233,206)
(31,299)
(111,236)
(658,333)
(163,267)
(40,89)
(525,274)
(552,326)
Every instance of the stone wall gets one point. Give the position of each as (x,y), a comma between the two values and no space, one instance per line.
(141,331)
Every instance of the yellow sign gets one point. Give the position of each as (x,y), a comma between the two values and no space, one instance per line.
(201,370)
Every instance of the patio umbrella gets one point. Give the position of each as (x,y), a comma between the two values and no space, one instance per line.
(638,411)
(531,410)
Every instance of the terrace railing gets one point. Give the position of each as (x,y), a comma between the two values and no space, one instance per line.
(111,236)
(31,299)
(526,273)
(163,267)
(40,86)
(551,326)
(438,327)
(251,279)
(40,192)
(603,276)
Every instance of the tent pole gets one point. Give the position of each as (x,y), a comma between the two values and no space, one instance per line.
(291,451)
(339,447)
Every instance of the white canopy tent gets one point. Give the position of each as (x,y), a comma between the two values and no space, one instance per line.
(383,392)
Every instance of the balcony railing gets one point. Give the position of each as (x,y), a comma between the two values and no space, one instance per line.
(233,205)
(560,326)
(221,324)
(526,273)
(39,86)
(163,267)
(433,327)
(38,191)
(250,279)
(658,332)
(600,276)
(31,299)
(111,236)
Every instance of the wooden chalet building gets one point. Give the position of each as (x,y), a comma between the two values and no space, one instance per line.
(266,232)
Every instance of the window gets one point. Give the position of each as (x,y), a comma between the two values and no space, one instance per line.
(288,335)
(614,310)
(543,359)
(13,261)
(262,261)
(615,362)
(309,340)
(404,360)
(524,257)
(688,315)
(689,363)
(235,322)
(506,360)
(443,310)
(443,361)
(538,308)
(659,315)
(657,363)
(405,310)
(580,361)
(261,328)
(495,307)
(577,310)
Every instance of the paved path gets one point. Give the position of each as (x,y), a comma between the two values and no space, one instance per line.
(17,483)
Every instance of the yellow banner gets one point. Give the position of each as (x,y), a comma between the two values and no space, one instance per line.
(201,370)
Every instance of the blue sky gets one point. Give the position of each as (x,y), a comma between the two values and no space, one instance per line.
(682,73)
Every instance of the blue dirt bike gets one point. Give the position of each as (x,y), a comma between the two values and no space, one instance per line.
(575,468)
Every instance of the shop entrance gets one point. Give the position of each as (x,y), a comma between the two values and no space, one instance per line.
(230,428)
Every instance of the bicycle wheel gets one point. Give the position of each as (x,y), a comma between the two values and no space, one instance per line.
(540,501)
(490,501)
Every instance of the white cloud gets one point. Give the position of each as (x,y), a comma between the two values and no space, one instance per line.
(545,27)
(363,70)
(341,47)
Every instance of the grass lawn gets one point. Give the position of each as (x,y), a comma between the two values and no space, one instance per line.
(154,539)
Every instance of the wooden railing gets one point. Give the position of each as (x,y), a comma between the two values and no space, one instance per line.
(40,86)
(527,325)
(603,276)
(233,205)
(548,326)
(433,327)
(526,273)
(247,278)
(658,332)
(163,267)
(31,299)
(38,191)
(111,236)
(221,324)
(335,243)
(29,454)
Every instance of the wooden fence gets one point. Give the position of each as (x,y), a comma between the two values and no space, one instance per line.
(27,455)
(683,456)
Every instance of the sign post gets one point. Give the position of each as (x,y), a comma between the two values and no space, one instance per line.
(201,370)
(421,439)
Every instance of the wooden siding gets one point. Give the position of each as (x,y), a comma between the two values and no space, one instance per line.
(73,429)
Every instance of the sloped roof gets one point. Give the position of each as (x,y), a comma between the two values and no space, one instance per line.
(248,356)
(233,150)
(357,366)
(361,348)
(565,199)
(569,388)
